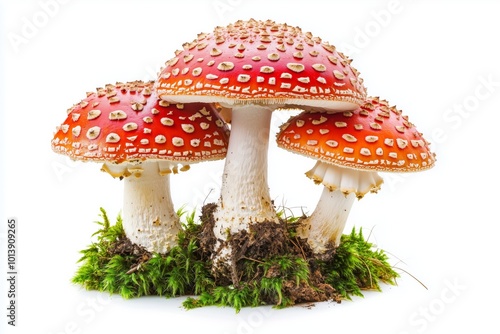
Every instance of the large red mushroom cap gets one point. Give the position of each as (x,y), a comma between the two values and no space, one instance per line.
(261,62)
(127,123)
(374,137)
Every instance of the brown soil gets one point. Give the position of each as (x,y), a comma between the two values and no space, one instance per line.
(265,240)
(123,246)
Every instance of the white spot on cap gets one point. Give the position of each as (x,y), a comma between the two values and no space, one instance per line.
(319,67)
(177,141)
(312,142)
(243,78)
(93,132)
(204,111)
(417,143)
(348,150)
(321,120)
(225,66)
(266,69)
(400,128)
(130,126)
(160,139)
(112,138)
(339,75)
(332,143)
(273,56)
(402,143)
(365,151)
(76,130)
(295,67)
(321,80)
(93,114)
(188,128)
(350,138)
(215,52)
(167,121)
(196,71)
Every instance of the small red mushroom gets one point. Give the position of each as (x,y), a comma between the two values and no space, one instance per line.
(142,139)
(350,148)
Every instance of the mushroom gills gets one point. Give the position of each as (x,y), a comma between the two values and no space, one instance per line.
(346,180)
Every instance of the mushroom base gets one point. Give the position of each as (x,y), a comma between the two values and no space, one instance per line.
(288,275)
(262,240)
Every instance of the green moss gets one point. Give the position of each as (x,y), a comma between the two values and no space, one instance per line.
(357,266)
(114,265)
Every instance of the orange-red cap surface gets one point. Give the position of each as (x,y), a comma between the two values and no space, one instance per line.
(373,137)
(126,122)
(261,62)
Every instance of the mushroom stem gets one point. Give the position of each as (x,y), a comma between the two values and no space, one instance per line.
(245,197)
(149,218)
(324,227)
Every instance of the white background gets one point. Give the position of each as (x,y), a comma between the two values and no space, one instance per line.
(436,60)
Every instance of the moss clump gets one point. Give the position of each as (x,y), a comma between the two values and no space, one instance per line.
(115,265)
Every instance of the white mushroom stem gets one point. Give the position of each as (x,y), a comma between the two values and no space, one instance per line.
(148,216)
(245,197)
(326,224)
(323,228)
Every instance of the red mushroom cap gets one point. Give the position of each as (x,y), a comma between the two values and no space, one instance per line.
(373,137)
(126,122)
(261,62)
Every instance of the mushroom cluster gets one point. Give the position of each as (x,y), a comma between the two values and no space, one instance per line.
(242,72)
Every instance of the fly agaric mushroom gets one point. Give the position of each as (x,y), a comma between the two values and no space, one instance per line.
(142,139)
(351,147)
(255,67)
